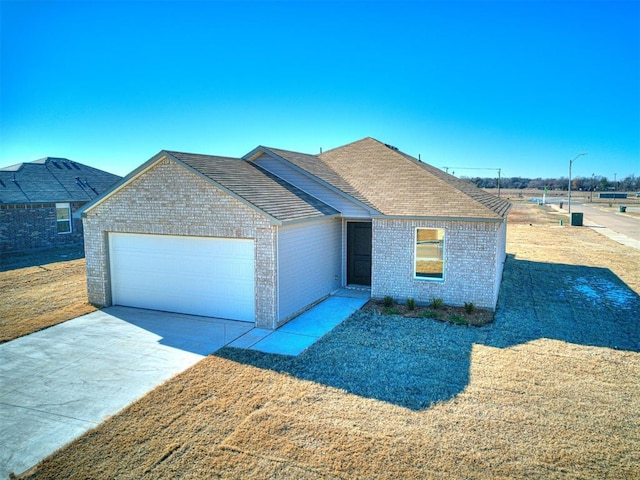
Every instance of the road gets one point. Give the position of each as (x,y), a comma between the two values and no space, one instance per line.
(618,222)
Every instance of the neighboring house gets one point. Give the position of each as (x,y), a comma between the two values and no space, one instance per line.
(38,200)
(263,237)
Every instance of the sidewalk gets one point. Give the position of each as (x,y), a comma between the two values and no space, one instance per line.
(303,331)
(602,230)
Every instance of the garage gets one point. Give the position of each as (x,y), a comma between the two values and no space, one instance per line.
(206,276)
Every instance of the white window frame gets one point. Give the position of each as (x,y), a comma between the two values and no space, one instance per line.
(69,221)
(415,255)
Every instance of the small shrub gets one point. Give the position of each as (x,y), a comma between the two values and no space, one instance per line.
(430,314)
(388,301)
(411,304)
(457,319)
(391,311)
(436,302)
(469,307)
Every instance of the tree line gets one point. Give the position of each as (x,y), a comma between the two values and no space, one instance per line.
(593,183)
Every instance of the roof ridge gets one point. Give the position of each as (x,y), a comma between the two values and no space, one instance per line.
(353,143)
(172,152)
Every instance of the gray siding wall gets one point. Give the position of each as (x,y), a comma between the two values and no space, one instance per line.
(309,264)
(33,226)
(167,199)
(328,196)
(474,251)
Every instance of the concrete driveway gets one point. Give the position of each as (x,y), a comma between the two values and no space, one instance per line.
(60,382)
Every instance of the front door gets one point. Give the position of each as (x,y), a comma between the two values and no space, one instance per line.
(359,253)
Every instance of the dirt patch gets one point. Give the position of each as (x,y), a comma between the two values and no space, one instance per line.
(42,295)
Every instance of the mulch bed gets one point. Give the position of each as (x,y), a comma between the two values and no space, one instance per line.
(476,317)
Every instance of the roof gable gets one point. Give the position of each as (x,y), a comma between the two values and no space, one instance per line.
(397,184)
(51,180)
(265,193)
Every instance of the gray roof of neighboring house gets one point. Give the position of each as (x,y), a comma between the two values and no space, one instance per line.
(268,193)
(51,180)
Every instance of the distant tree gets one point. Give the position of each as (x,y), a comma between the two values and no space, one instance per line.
(537,184)
(576,183)
(561,183)
(630,183)
(603,184)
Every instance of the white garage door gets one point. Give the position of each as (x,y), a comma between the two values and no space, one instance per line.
(212,277)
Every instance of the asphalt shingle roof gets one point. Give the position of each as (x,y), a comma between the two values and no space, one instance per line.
(397,184)
(319,169)
(51,180)
(255,185)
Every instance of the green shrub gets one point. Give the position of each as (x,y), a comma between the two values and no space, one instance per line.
(391,311)
(388,301)
(457,319)
(411,304)
(469,307)
(430,314)
(436,302)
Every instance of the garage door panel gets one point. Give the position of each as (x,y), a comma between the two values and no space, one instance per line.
(195,275)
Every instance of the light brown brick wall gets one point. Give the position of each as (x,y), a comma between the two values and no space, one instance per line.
(169,200)
(472,255)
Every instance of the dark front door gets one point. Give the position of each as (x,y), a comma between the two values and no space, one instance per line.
(358,253)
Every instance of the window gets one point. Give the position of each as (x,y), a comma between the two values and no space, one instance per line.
(63,217)
(429,253)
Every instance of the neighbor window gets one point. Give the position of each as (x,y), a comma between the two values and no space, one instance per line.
(429,253)
(63,217)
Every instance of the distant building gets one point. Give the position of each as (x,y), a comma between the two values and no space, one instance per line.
(38,200)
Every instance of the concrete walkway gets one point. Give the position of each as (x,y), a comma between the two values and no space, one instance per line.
(60,382)
(303,331)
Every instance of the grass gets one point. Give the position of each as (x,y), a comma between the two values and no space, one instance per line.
(50,291)
(549,390)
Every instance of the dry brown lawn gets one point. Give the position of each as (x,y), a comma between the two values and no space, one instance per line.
(545,408)
(534,233)
(36,297)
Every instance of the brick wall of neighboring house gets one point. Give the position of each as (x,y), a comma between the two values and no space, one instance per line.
(474,255)
(167,199)
(33,226)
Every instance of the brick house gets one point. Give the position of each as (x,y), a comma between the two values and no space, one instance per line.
(260,238)
(38,201)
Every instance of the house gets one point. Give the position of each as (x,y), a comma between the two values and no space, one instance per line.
(262,237)
(38,200)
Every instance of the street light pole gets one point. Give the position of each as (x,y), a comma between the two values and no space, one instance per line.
(571,163)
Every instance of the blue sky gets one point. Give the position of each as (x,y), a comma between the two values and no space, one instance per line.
(521,86)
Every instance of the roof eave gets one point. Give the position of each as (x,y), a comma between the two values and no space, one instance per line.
(297,221)
(441,218)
